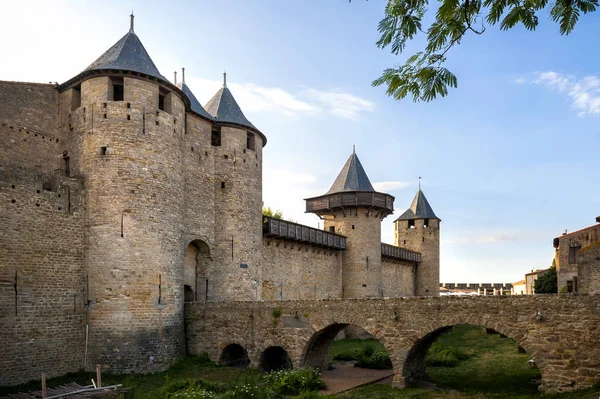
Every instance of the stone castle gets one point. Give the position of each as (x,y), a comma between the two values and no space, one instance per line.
(123,198)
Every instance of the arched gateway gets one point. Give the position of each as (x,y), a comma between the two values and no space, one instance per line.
(561,332)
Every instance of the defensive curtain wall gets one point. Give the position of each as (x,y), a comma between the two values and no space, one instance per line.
(560,332)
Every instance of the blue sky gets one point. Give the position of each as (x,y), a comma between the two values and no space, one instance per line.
(509,160)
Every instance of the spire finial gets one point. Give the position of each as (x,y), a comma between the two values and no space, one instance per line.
(131,21)
(175,77)
(419,183)
(224,78)
(182,75)
(353,149)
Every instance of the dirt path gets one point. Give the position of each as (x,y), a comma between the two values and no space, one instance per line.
(346,376)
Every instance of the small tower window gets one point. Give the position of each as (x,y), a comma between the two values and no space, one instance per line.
(332,229)
(161,102)
(117,89)
(411,223)
(76,98)
(250,141)
(215,137)
(425,223)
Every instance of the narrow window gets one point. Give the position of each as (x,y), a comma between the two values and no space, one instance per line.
(215,137)
(161,101)
(332,229)
(250,141)
(76,98)
(117,89)
(411,224)
(222,184)
(352,227)
(102,150)
(67,164)
(425,223)
(572,255)
(569,286)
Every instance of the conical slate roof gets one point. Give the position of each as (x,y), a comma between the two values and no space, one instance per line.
(419,209)
(194,103)
(352,177)
(127,54)
(224,108)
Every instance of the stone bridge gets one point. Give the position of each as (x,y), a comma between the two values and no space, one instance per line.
(560,332)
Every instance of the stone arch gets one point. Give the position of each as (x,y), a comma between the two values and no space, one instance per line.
(275,358)
(234,355)
(195,271)
(414,365)
(316,353)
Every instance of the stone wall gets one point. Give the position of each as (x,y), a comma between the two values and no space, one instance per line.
(361,272)
(42,291)
(398,278)
(28,125)
(560,332)
(292,270)
(584,272)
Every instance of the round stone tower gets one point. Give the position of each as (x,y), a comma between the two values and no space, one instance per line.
(237,148)
(126,121)
(418,229)
(354,209)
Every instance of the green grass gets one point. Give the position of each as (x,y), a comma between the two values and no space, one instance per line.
(351,348)
(149,386)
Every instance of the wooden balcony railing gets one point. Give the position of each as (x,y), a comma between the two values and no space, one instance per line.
(298,232)
(392,251)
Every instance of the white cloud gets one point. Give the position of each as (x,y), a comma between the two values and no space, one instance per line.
(482,239)
(255,98)
(386,186)
(341,104)
(584,92)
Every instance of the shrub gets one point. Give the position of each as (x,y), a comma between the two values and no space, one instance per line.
(442,356)
(294,382)
(378,360)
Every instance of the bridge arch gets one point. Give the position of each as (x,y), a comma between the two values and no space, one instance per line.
(414,363)
(234,355)
(316,352)
(275,358)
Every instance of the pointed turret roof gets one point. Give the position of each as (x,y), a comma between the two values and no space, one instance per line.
(194,103)
(224,108)
(127,54)
(352,177)
(419,209)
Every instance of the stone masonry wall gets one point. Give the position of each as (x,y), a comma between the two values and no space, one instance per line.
(587,261)
(291,270)
(398,278)
(560,332)
(42,297)
(362,258)
(28,125)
